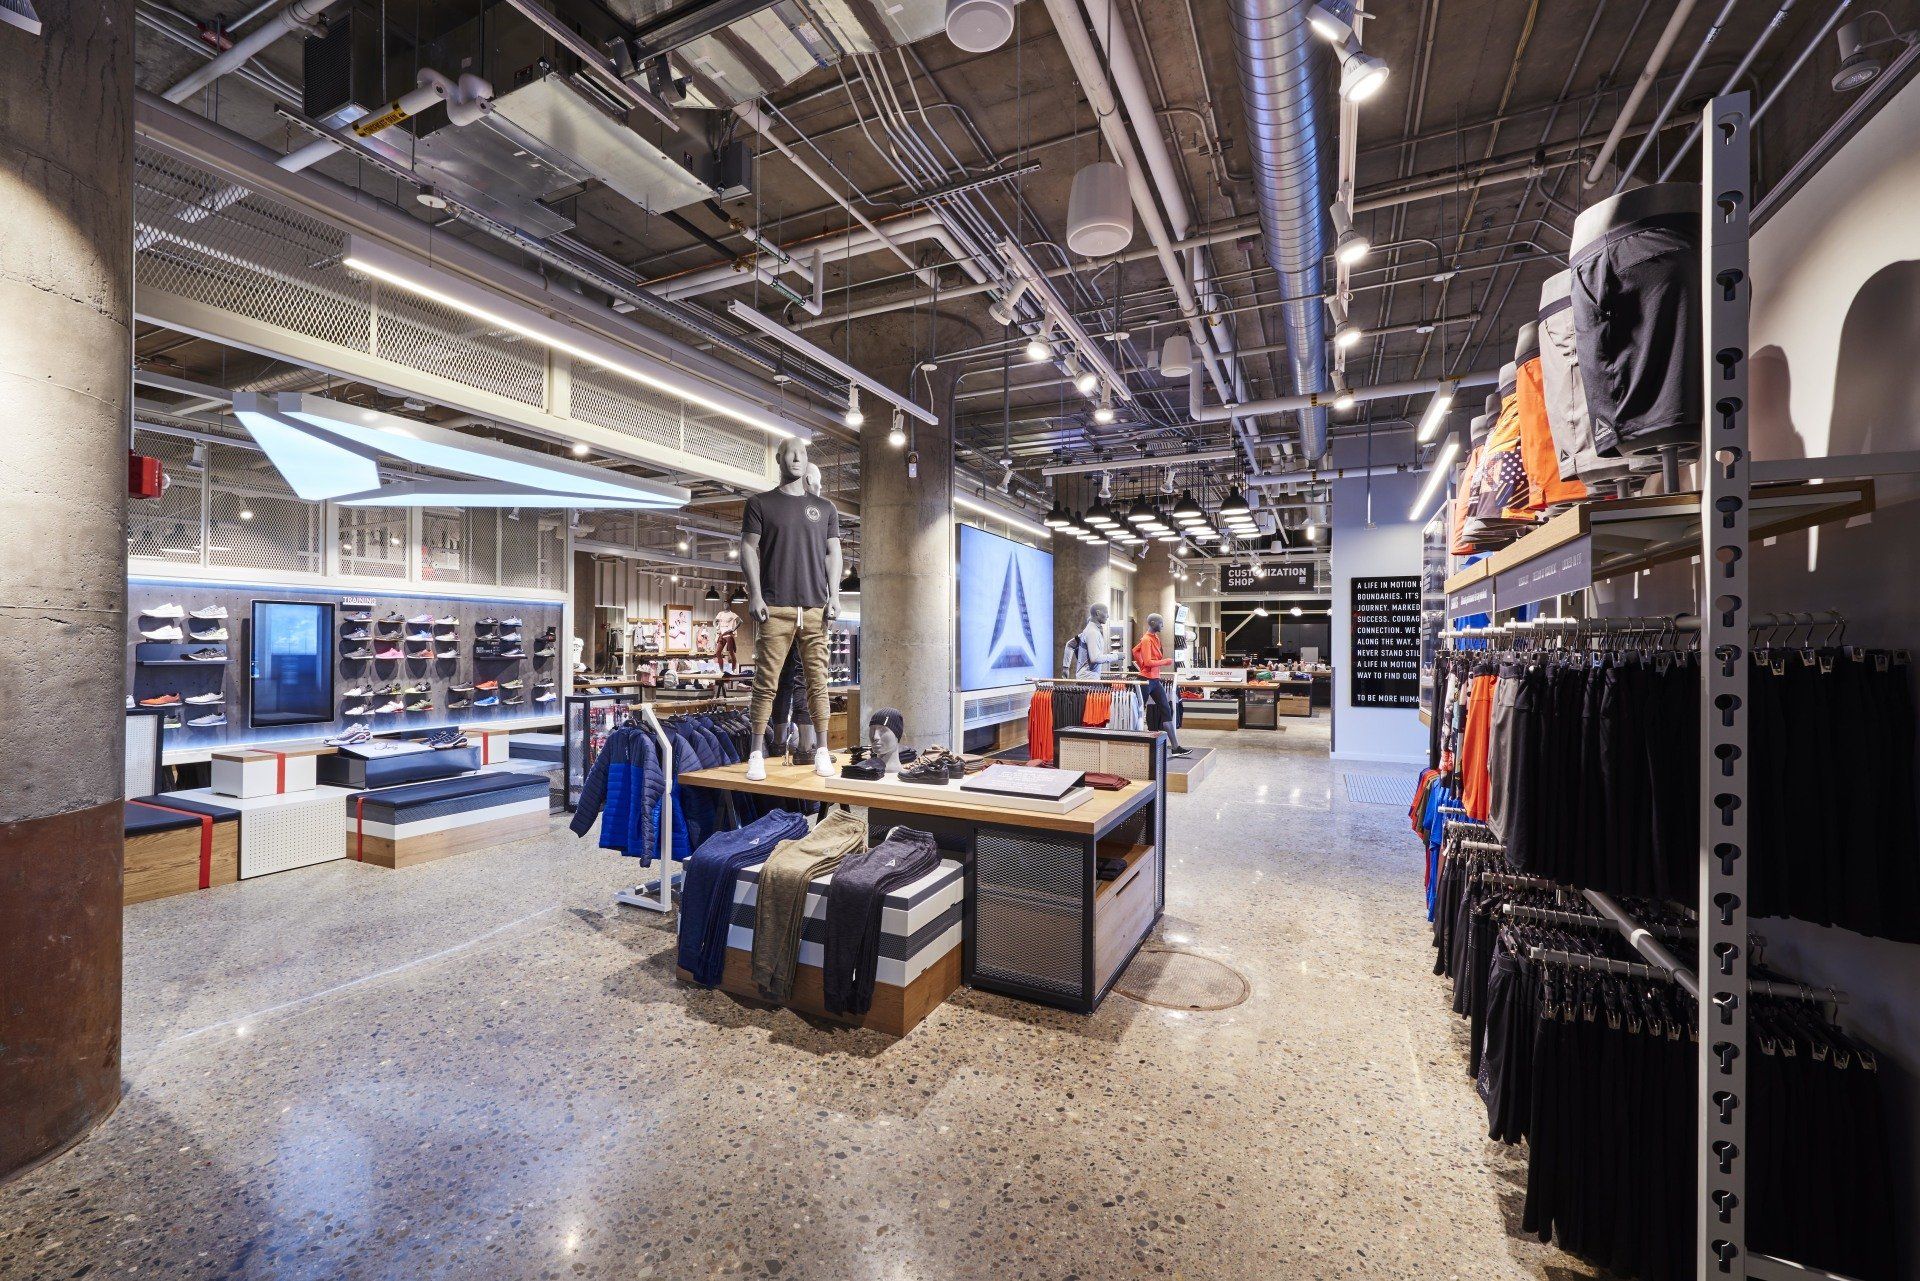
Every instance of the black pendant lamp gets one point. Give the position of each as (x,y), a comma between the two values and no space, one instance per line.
(850,585)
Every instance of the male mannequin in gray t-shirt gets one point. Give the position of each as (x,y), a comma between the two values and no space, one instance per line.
(790,553)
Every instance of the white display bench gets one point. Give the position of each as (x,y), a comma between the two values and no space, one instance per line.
(281,832)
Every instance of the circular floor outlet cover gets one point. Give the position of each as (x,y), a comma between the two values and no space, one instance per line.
(1178,980)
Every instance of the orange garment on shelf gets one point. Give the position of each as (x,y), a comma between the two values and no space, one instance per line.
(1544,486)
(1098,708)
(1040,726)
(1475,787)
(1505,439)
(1457,542)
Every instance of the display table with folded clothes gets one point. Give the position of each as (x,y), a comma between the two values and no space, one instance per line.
(1054,903)
(824,920)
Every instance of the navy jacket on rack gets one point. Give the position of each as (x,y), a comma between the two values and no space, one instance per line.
(623,791)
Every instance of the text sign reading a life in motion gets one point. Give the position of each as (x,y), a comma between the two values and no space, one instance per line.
(1385,642)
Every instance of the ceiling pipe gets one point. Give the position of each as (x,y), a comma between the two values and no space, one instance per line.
(1648,74)
(1202,413)
(1320,475)
(594,547)
(1087,65)
(1673,96)
(1145,460)
(297,16)
(1275,46)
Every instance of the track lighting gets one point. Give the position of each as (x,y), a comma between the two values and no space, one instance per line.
(1342,391)
(1085,381)
(1361,74)
(1296,611)
(579,449)
(897,434)
(1038,350)
(682,544)
(1313,532)
(1345,331)
(1331,20)
(1103,414)
(1005,311)
(853,416)
(1351,245)
(246,513)
(1858,68)
(733,553)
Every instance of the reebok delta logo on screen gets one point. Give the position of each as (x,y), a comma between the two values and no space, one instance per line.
(1009,648)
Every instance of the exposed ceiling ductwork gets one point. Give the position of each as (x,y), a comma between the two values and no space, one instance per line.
(1274,45)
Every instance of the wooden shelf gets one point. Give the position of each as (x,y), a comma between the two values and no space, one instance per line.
(1132,853)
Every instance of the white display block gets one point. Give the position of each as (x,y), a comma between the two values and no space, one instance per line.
(490,743)
(253,771)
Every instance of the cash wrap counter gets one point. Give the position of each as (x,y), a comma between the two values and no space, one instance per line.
(1037,923)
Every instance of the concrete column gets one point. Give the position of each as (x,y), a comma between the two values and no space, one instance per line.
(1153,592)
(66,275)
(1080,573)
(906,566)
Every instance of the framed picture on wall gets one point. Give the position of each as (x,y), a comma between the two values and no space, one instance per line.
(679,629)
(649,636)
(704,634)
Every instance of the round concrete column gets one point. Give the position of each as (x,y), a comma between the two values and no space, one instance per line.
(1153,592)
(66,276)
(906,572)
(1080,573)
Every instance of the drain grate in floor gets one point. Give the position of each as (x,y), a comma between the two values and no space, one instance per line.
(1379,789)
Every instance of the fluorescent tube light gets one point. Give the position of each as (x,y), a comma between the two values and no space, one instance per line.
(1435,477)
(998,513)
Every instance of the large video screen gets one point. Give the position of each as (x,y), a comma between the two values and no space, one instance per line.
(1006,611)
(292,663)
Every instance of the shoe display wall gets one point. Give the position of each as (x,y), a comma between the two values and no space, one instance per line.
(399,660)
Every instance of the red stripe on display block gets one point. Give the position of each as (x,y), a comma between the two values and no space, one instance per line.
(486,748)
(206,840)
(360,828)
(280,766)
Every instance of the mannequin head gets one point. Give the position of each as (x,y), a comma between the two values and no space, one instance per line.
(884,730)
(1527,345)
(1097,614)
(1155,623)
(814,484)
(791,458)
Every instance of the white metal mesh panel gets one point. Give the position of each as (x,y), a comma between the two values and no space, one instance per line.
(168,527)
(373,541)
(607,400)
(725,441)
(424,335)
(254,520)
(531,548)
(205,239)
(458,545)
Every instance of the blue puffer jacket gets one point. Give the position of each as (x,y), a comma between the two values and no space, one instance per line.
(623,791)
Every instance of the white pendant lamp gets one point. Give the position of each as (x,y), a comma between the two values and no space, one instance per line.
(1176,356)
(1099,211)
(979,26)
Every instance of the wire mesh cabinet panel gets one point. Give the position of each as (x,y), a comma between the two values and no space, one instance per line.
(1031,913)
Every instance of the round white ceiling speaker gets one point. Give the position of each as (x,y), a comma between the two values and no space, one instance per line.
(1099,211)
(979,25)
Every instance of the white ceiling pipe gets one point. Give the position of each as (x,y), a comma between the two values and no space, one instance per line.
(1648,74)
(855,240)
(1129,464)
(1320,475)
(1092,72)
(1203,413)
(794,342)
(594,547)
(297,16)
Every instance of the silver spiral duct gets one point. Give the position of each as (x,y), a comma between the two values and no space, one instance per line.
(1274,47)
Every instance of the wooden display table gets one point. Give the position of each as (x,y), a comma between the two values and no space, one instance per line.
(1039,923)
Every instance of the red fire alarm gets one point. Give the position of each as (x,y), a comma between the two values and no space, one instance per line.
(144,479)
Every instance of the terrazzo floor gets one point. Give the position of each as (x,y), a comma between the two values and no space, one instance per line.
(484,1068)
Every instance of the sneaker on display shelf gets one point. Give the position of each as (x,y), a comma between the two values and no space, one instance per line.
(509,622)
(491,700)
(208,655)
(459,703)
(756,767)
(513,702)
(391,705)
(543,653)
(420,707)
(161,700)
(360,691)
(361,617)
(389,653)
(421,620)
(358,633)
(129,702)
(545,698)
(513,684)
(408,691)
(208,722)
(204,700)
(350,736)
(420,638)
(217,634)
(365,709)
(459,689)
(446,622)
(512,653)
(442,739)
(360,655)
(168,633)
(446,636)
(207,611)
(487,685)
(488,622)
(172,721)
(168,610)
(393,616)
(447,655)
(510,638)
(823,763)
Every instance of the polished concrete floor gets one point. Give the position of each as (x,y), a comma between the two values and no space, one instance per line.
(484,1068)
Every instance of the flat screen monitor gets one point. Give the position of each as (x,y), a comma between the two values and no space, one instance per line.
(1005,611)
(291,664)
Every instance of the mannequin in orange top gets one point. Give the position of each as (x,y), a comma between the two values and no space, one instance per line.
(1151,658)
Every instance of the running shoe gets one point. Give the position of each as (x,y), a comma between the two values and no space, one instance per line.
(350,736)
(421,620)
(487,685)
(365,709)
(362,617)
(360,691)
(543,653)
(210,654)
(420,655)
(507,638)
(391,705)
(512,653)
(488,622)
(491,700)
(170,632)
(168,610)
(206,611)
(390,652)
(543,684)
(425,706)
(217,634)
(172,721)
(447,654)
(205,700)
(412,691)
(516,683)
(392,616)
(360,655)
(443,739)
(208,722)
(129,702)
(161,700)
(446,635)
(446,622)
(459,703)
(509,622)
(546,698)
(459,689)
(358,633)
(420,638)
(515,702)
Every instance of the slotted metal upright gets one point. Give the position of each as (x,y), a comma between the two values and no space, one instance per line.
(1725,462)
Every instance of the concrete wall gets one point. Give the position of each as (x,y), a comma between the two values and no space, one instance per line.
(1389,546)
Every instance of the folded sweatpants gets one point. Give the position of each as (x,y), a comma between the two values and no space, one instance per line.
(782,906)
(854,899)
(706,896)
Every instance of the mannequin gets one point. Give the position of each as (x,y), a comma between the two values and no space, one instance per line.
(726,626)
(790,553)
(1086,654)
(790,725)
(1150,656)
(884,730)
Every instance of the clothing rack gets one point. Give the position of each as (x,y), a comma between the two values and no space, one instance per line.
(1832,620)
(1090,681)
(657,895)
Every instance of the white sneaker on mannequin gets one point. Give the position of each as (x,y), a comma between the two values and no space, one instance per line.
(823,763)
(756,767)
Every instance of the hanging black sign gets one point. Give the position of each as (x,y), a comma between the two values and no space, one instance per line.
(1241,580)
(1385,643)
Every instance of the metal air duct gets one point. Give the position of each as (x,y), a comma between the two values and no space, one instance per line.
(1274,46)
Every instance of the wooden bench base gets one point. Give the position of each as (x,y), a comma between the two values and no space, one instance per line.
(410,851)
(162,864)
(895,1010)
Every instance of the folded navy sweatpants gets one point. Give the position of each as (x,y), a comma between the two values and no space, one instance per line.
(706,896)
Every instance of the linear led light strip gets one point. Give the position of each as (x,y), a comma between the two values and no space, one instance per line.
(406,273)
(1001,514)
(787,338)
(1435,477)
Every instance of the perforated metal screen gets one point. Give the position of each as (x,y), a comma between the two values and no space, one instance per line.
(1027,909)
(253,519)
(373,541)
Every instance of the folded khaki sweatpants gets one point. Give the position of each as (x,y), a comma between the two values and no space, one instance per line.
(782,906)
